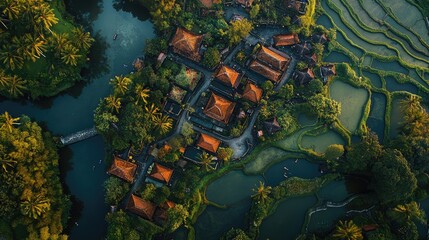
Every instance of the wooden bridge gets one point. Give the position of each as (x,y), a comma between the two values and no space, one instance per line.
(78,136)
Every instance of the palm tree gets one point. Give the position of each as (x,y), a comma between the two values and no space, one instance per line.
(6,162)
(113,103)
(16,86)
(9,121)
(82,38)
(163,123)
(35,46)
(45,16)
(60,41)
(11,9)
(4,79)
(120,84)
(34,206)
(408,212)
(152,111)
(70,55)
(142,93)
(206,161)
(262,192)
(347,231)
(10,57)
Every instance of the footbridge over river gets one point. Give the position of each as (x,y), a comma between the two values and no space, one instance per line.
(78,136)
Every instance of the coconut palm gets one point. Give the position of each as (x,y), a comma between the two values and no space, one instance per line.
(142,93)
(4,78)
(3,22)
(120,84)
(70,55)
(9,121)
(6,163)
(262,192)
(163,123)
(11,9)
(152,111)
(35,46)
(408,212)
(206,161)
(34,206)
(82,38)
(59,42)
(16,86)
(45,16)
(113,103)
(347,230)
(10,57)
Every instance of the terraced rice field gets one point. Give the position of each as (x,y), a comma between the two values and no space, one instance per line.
(388,41)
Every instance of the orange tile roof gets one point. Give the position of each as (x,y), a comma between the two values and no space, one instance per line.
(161,173)
(141,207)
(208,143)
(286,39)
(123,169)
(252,93)
(273,58)
(219,108)
(187,44)
(265,71)
(228,76)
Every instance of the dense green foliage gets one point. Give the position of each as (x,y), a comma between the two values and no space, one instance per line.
(29,181)
(125,227)
(41,52)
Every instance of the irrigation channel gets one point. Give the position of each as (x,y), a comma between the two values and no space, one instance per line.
(381,38)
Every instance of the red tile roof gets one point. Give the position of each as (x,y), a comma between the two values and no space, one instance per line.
(286,39)
(275,59)
(123,169)
(161,173)
(265,71)
(228,76)
(208,143)
(252,93)
(187,44)
(141,207)
(219,108)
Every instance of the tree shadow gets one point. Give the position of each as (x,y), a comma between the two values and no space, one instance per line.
(136,9)
(84,12)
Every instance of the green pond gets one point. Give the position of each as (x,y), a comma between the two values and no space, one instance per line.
(337,57)
(73,110)
(321,142)
(392,85)
(376,117)
(353,101)
(395,117)
(375,79)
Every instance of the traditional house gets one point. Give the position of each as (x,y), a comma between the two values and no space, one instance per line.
(227,76)
(302,48)
(311,59)
(219,108)
(208,143)
(252,93)
(303,77)
(161,173)
(187,44)
(161,212)
(141,207)
(123,169)
(285,39)
(319,38)
(272,126)
(274,59)
(327,71)
(299,6)
(265,71)
(245,3)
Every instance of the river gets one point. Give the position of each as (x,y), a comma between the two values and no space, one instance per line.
(73,111)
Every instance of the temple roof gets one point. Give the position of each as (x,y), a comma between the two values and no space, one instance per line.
(272,126)
(265,71)
(187,44)
(275,59)
(252,93)
(303,77)
(161,173)
(208,143)
(123,169)
(286,39)
(141,207)
(219,108)
(227,75)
